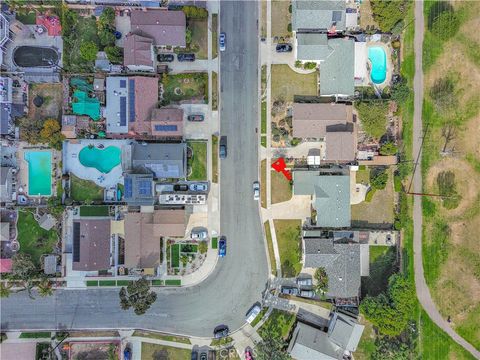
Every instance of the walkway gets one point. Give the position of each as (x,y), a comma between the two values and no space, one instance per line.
(423,292)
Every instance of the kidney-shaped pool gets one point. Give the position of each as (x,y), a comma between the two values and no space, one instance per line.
(35,56)
(378,59)
(104,160)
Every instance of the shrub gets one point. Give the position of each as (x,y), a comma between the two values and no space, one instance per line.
(448,189)
(114,54)
(388,13)
(446,25)
(88,50)
(202,247)
(400,91)
(298,64)
(295,141)
(290,8)
(397,183)
(369,195)
(373,117)
(443,93)
(194,12)
(378,179)
(389,148)
(310,65)
(289,27)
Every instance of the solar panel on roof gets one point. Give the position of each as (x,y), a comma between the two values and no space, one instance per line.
(123,111)
(166,127)
(123,84)
(76,242)
(131,99)
(128,187)
(336,15)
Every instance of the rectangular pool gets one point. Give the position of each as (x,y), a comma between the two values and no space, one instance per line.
(39,172)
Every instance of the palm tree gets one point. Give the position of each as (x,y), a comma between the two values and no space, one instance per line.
(321,279)
(5,289)
(45,288)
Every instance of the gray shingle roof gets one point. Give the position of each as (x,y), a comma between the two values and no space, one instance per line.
(345,332)
(341,262)
(309,343)
(164,160)
(318,15)
(312,46)
(337,73)
(331,196)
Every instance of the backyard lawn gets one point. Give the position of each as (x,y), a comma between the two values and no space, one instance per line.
(28,18)
(214,158)
(84,31)
(279,323)
(288,238)
(199,44)
(189,86)
(84,190)
(34,240)
(271,254)
(286,83)
(197,164)
(155,351)
(94,211)
(379,212)
(281,17)
(281,188)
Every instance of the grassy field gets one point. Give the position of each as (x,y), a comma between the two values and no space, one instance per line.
(155,351)
(94,211)
(263,181)
(84,190)
(450,254)
(271,254)
(286,83)
(279,323)
(281,17)
(288,238)
(214,91)
(188,86)
(214,36)
(34,240)
(198,162)
(159,336)
(199,28)
(215,158)
(281,188)
(379,211)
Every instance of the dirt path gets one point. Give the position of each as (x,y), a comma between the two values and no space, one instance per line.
(423,292)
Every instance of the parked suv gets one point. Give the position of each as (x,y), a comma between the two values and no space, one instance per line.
(222,150)
(222,41)
(256,190)
(180,187)
(199,233)
(222,246)
(197,117)
(284,48)
(186,57)
(220,331)
(165,57)
(198,187)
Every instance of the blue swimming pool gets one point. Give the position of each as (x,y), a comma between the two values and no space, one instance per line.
(378,59)
(39,172)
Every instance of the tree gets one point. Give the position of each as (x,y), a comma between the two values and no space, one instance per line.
(373,117)
(29,129)
(51,134)
(378,179)
(400,91)
(389,148)
(387,13)
(106,37)
(114,54)
(443,94)
(88,50)
(5,289)
(446,25)
(24,270)
(137,295)
(194,12)
(188,36)
(321,279)
(271,347)
(107,19)
(387,348)
(45,288)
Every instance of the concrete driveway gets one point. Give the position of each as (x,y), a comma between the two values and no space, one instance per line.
(198,129)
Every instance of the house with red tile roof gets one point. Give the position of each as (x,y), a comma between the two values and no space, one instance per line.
(167,123)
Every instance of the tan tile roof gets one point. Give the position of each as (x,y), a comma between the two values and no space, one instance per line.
(146,99)
(137,50)
(341,146)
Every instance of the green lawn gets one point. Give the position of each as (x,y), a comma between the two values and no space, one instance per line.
(286,83)
(259,317)
(155,351)
(263,140)
(84,190)
(279,323)
(165,337)
(271,254)
(263,181)
(27,19)
(263,124)
(36,335)
(34,240)
(92,282)
(214,158)
(198,162)
(189,86)
(157,283)
(175,249)
(107,283)
(173,282)
(281,188)
(214,91)
(214,243)
(94,211)
(288,238)
(214,36)
(199,44)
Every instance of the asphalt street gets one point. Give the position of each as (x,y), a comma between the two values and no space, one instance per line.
(238,279)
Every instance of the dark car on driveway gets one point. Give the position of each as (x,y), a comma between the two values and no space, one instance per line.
(180,187)
(284,48)
(186,57)
(197,117)
(222,246)
(222,150)
(220,331)
(165,57)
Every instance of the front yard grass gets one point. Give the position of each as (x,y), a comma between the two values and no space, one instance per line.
(155,351)
(263,123)
(199,28)
(36,335)
(379,212)
(259,317)
(214,91)
(159,336)
(271,253)
(286,83)
(278,324)
(188,86)
(281,188)
(214,243)
(263,182)
(214,158)
(281,17)
(34,240)
(288,238)
(84,190)
(214,36)
(197,164)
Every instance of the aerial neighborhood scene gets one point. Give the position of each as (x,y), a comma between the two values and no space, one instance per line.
(239,179)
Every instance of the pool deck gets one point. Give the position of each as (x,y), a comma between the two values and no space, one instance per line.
(388,53)
(71,161)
